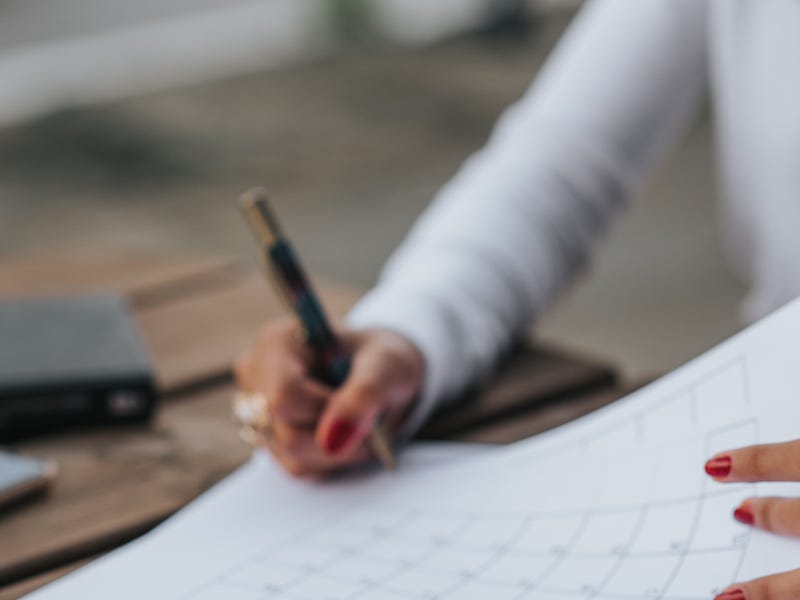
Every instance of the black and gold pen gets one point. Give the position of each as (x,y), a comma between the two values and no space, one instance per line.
(296,288)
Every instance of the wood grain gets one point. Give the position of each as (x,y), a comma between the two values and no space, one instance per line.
(117,483)
(195,315)
(31,584)
(85,273)
(195,337)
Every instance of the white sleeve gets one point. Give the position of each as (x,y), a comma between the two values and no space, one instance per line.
(522,216)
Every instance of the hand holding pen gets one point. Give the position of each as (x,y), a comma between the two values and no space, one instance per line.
(330,398)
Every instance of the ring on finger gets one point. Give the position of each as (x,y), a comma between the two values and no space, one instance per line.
(251,411)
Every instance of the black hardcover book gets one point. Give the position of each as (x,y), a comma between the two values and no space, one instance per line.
(71,361)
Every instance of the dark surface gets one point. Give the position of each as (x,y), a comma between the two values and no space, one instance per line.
(526,379)
(68,340)
(71,361)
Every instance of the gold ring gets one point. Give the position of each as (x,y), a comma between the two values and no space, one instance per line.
(250,410)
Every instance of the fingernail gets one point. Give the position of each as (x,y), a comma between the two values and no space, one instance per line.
(744,514)
(338,435)
(719,467)
(737,594)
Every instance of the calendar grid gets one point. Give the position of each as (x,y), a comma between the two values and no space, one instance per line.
(394,552)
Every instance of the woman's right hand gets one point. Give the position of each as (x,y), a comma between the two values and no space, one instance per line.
(316,430)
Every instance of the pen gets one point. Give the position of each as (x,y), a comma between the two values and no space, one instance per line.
(294,286)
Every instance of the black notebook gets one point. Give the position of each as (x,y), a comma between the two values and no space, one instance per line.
(71,361)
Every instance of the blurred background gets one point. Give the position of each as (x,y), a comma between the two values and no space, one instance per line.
(133,127)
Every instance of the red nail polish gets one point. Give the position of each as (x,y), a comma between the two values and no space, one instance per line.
(737,594)
(338,435)
(744,514)
(719,467)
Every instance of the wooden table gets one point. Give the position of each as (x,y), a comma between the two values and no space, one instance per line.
(195,315)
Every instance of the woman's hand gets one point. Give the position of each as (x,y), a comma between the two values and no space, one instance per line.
(316,429)
(768,462)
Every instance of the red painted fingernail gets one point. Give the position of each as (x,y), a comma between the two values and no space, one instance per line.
(737,594)
(338,435)
(719,467)
(744,514)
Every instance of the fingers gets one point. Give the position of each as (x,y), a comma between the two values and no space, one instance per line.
(384,376)
(278,367)
(777,515)
(766,462)
(784,586)
(317,430)
(276,344)
(298,401)
(297,451)
(350,415)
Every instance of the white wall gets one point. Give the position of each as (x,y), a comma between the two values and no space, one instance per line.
(60,53)
(89,53)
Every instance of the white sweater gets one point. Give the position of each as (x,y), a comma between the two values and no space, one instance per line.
(523,215)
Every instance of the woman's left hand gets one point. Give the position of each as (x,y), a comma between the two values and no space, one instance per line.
(767,462)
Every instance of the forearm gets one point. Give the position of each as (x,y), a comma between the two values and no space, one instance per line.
(523,215)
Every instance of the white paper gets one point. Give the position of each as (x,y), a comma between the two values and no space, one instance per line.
(613,506)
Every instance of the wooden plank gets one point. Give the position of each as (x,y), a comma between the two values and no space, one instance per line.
(26,586)
(84,273)
(546,416)
(195,337)
(196,315)
(530,376)
(115,484)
